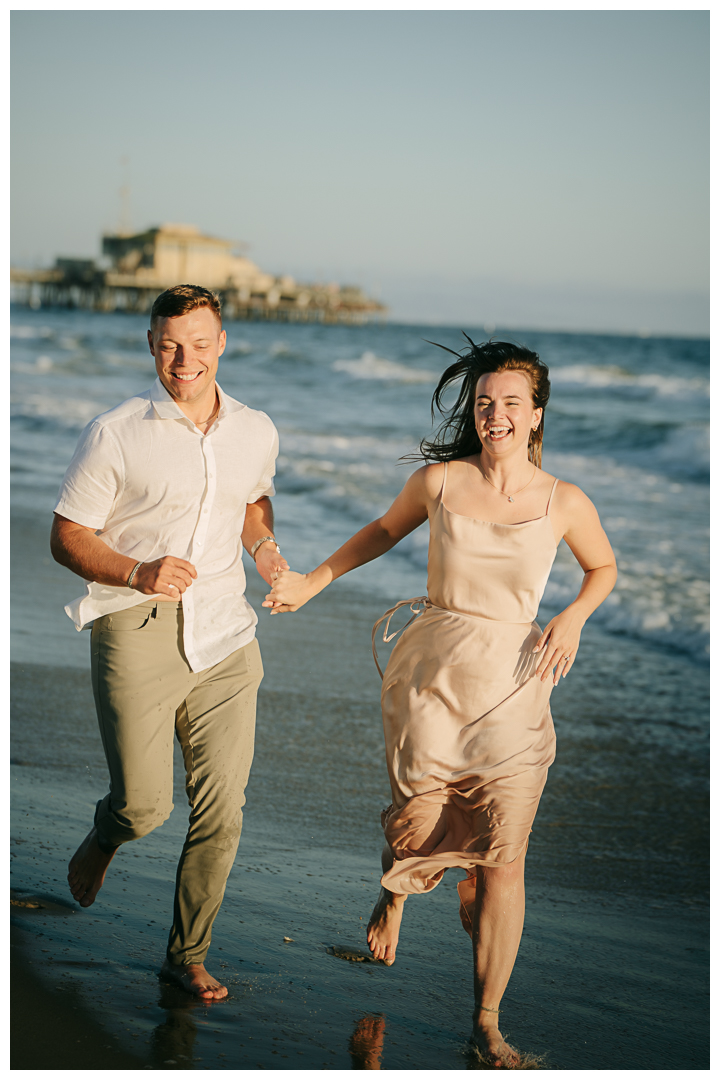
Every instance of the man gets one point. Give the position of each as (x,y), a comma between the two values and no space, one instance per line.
(152,511)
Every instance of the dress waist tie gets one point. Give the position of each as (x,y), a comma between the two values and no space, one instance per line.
(418,605)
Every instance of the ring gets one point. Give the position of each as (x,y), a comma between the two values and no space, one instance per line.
(566,657)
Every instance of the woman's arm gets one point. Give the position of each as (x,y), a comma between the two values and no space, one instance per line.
(409,510)
(586,538)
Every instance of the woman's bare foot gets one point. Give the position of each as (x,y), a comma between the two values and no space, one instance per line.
(87,868)
(488,1040)
(195,979)
(384,926)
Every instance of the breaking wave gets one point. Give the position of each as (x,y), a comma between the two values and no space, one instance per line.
(370,366)
(585,376)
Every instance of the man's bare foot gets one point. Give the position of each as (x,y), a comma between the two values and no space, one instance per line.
(366,1042)
(384,926)
(87,868)
(490,1043)
(195,979)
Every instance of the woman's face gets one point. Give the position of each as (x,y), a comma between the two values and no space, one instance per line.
(504,412)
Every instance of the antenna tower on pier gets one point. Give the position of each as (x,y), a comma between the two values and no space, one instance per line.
(124,224)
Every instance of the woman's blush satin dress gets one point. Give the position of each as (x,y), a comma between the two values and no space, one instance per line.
(469,735)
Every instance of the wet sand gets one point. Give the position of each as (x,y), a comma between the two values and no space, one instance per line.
(69,1034)
(616,922)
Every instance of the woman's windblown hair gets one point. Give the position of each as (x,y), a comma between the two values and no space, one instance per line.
(456,436)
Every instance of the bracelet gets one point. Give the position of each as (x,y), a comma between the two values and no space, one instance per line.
(133,572)
(263,540)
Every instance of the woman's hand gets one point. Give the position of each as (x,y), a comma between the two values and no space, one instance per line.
(291,590)
(579,525)
(560,639)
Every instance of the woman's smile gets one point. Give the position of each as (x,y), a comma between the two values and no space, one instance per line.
(498,432)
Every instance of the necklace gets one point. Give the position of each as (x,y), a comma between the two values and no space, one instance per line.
(202,423)
(510,498)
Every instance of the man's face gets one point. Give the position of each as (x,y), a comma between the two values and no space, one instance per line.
(186,350)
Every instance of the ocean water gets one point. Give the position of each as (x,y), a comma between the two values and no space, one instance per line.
(628,421)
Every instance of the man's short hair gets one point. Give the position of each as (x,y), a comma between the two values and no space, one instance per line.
(181,299)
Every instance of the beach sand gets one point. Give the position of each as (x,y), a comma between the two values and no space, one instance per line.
(616,925)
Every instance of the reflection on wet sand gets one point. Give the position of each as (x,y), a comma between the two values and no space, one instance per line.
(366,1042)
(173,1041)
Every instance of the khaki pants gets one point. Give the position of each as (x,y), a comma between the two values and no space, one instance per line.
(145,692)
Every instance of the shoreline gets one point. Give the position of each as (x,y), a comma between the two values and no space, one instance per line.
(308,869)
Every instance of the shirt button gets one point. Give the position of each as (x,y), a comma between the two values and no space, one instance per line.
(198,543)
(205,511)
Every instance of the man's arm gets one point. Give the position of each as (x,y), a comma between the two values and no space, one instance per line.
(259,523)
(79,549)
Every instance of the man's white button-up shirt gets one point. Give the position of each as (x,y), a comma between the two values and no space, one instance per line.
(151,484)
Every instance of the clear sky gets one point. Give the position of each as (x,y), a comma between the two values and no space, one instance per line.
(544,169)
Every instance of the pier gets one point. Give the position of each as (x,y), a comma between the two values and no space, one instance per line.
(142,265)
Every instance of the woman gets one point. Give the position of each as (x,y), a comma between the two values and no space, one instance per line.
(465,697)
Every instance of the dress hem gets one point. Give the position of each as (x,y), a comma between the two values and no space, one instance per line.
(429,869)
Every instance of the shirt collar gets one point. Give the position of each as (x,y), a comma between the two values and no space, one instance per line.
(168,409)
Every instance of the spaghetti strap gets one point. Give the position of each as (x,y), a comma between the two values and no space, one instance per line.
(442,489)
(440,503)
(547,511)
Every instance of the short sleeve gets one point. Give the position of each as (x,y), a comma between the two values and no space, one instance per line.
(93,480)
(265,486)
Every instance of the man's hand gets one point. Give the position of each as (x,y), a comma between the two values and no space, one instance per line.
(79,549)
(166,577)
(258,524)
(269,562)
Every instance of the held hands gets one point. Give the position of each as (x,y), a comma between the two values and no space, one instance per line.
(289,592)
(165,577)
(562,638)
